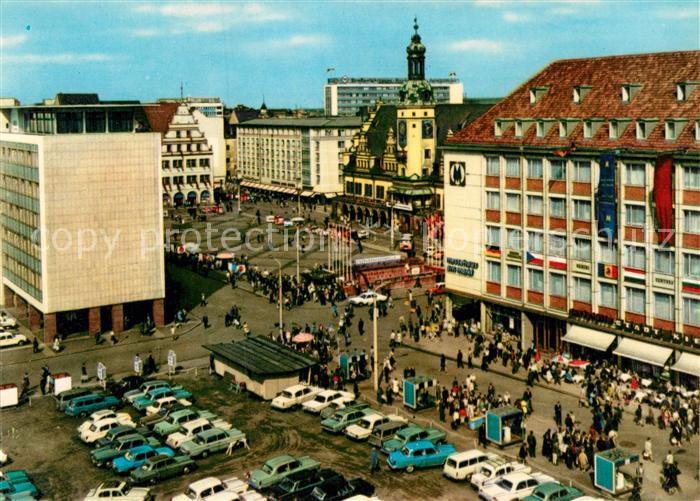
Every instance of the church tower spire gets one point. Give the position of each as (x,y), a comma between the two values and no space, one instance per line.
(415,55)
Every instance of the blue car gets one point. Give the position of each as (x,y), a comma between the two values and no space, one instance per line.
(420,454)
(16,485)
(82,406)
(137,456)
(148,398)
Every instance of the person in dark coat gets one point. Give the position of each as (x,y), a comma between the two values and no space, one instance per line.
(460,360)
(557,414)
(442,362)
(522,454)
(531,444)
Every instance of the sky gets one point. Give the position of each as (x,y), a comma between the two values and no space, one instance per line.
(283,51)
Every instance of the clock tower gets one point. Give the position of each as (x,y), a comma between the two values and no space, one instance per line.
(416,135)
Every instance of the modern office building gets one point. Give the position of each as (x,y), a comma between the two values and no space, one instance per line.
(235,117)
(348,96)
(572,210)
(294,155)
(81,216)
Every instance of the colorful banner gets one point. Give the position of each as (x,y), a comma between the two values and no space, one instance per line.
(493,251)
(557,263)
(607,270)
(691,286)
(635,275)
(663,199)
(606,198)
(535,259)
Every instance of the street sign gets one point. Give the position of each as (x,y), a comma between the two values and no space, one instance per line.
(172,359)
(101,371)
(138,365)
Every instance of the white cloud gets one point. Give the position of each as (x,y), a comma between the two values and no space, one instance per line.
(295,41)
(489,3)
(689,12)
(478,45)
(12,41)
(234,12)
(63,58)
(517,17)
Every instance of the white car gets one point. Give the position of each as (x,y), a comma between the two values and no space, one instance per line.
(367,298)
(365,426)
(494,469)
(251,496)
(164,402)
(8,339)
(293,396)
(7,321)
(213,489)
(363,234)
(99,429)
(513,486)
(118,489)
(122,417)
(190,429)
(462,464)
(323,400)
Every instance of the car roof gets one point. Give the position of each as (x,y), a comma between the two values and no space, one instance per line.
(472,453)
(419,444)
(327,392)
(374,416)
(295,387)
(157,457)
(190,425)
(284,458)
(517,476)
(141,448)
(204,483)
(111,484)
(549,487)
(410,430)
(211,431)
(85,397)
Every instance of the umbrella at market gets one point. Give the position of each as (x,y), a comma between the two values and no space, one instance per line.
(225,255)
(578,363)
(561,360)
(303,337)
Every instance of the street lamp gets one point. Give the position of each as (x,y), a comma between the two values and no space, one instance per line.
(376,345)
(279,295)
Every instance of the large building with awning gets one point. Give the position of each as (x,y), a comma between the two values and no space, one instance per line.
(575,205)
(265,366)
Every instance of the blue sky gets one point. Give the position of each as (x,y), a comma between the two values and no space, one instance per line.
(241,51)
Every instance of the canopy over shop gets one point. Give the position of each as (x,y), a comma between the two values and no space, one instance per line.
(264,366)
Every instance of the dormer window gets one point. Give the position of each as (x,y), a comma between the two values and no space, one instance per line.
(697,131)
(566,127)
(683,90)
(591,126)
(500,126)
(543,127)
(518,128)
(536,93)
(617,127)
(628,92)
(580,92)
(644,128)
(673,128)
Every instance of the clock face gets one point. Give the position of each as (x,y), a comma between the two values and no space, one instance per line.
(402,133)
(427,129)
(458,175)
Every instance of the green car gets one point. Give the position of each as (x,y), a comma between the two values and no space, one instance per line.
(412,433)
(334,407)
(344,418)
(161,467)
(277,469)
(213,440)
(104,456)
(175,420)
(551,491)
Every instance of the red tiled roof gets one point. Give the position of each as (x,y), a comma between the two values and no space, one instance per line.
(159,115)
(656,73)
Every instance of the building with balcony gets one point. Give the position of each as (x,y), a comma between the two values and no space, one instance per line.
(573,210)
(81,220)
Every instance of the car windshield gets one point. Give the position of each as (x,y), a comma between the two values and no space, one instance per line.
(486,472)
(505,484)
(405,451)
(129,455)
(192,494)
(267,468)
(320,398)
(198,439)
(287,484)
(539,495)
(286,394)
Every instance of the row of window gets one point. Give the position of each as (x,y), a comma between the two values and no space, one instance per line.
(356,189)
(190,162)
(20,156)
(635,298)
(635,174)
(204,178)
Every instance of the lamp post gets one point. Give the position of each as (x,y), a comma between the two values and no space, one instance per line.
(279,296)
(376,345)
(296,240)
(239,195)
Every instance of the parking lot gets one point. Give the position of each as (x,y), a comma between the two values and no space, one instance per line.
(46,444)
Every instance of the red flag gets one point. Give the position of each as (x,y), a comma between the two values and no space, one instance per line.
(663,198)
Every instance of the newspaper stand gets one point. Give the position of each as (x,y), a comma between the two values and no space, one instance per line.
(358,359)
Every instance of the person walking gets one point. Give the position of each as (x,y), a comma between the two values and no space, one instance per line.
(35,345)
(522,454)
(460,360)
(203,300)
(374,461)
(246,329)
(531,444)
(557,413)
(83,373)
(205,321)
(361,327)
(647,454)
(443,361)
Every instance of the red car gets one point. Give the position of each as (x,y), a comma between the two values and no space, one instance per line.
(438,288)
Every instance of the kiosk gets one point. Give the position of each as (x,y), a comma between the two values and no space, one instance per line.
(614,472)
(357,359)
(62,381)
(9,395)
(417,394)
(504,426)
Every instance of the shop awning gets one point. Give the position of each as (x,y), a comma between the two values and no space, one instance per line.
(688,364)
(248,184)
(414,192)
(643,352)
(590,338)
(307,193)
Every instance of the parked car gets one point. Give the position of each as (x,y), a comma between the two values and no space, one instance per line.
(64,398)
(363,234)
(211,441)
(161,467)
(104,456)
(110,439)
(513,486)
(323,399)
(99,429)
(460,465)
(82,406)
(300,484)
(554,491)
(152,420)
(192,428)
(137,457)
(342,403)
(276,469)
(365,426)
(9,339)
(174,420)
(160,405)
(125,384)
(123,418)
(338,488)
(132,395)
(119,490)
(386,431)
(438,288)
(16,484)
(294,396)
(412,433)
(495,468)
(367,298)
(7,321)
(344,418)
(420,454)
(149,398)
(213,489)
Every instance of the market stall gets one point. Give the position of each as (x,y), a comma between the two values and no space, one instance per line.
(504,426)
(417,394)
(355,359)
(614,472)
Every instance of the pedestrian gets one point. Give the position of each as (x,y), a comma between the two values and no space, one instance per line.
(522,454)
(138,366)
(441,411)
(374,461)
(442,362)
(205,321)
(361,327)
(42,384)
(83,373)
(557,413)
(460,361)
(246,329)
(647,454)
(639,473)
(203,300)
(35,345)
(25,383)
(531,444)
